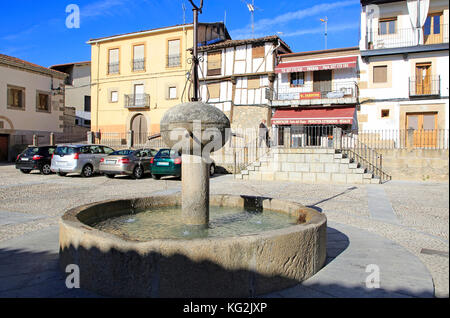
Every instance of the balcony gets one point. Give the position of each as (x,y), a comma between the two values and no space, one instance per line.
(138,65)
(322,93)
(173,60)
(113,68)
(408,37)
(137,101)
(427,86)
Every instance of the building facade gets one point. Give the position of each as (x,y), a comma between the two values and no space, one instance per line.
(314,91)
(137,77)
(77,91)
(235,76)
(404,65)
(31,103)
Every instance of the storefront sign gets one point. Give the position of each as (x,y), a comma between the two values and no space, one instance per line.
(325,121)
(312,95)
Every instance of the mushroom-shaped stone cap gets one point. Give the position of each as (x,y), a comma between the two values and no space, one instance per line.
(201,123)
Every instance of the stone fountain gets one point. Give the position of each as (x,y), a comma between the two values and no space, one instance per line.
(267,244)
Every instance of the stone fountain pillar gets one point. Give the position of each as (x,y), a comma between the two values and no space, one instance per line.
(195,129)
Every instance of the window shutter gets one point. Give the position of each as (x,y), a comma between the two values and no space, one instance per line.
(214,90)
(114,56)
(139,52)
(380,74)
(174,48)
(214,63)
(258,51)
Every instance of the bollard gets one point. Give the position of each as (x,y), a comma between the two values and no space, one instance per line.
(90,137)
(52,139)
(130,137)
(35,140)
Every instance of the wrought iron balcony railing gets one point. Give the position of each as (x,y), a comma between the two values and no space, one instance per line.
(173,60)
(321,92)
(426,86)
(139,65)
(437,34)
(113,68)
(137,101)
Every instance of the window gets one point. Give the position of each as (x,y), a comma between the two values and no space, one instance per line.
(77,122)
(432,24)
(139,95)
(42,102)
(172,92)
(214,63)
(139,57)
(384,113)
(113,62)
(253,83)
(380,74)
(387,26)
(87,104)
(214,90)
(173,53)
(114,96)
(16,97)
(258,51)
(87,122)
(297,79)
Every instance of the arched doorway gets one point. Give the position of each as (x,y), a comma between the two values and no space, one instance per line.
(139,128)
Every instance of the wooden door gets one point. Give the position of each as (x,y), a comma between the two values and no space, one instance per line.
(432,29)
(425,129)
(3,147)
(322,82)
(423,78)
(139,128)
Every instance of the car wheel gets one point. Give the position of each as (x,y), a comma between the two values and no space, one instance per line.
(156,176)
(45,170)
(87,171)
(62,174)
(110,175)
(212,170)
(138,172)
(26,171)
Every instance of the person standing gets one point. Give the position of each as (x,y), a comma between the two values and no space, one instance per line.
(263,133)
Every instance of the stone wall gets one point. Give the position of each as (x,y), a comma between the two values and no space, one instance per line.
(250,116)
(416,164)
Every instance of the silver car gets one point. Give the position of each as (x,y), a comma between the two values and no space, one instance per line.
(134,163)
(80,159)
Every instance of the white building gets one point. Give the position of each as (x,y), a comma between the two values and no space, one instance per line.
(404,81)
(235,74)
(78,90)
(31,103)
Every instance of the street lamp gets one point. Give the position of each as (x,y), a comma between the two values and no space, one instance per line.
(325,21)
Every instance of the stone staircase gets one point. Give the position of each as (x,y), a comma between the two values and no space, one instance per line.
(307,165)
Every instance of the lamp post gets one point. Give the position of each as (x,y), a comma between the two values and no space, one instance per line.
(326,29)
(196,10)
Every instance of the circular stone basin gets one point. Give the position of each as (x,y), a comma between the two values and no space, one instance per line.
(243,265)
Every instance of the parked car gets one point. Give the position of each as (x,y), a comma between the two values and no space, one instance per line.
(35,158)
(167,162)
(81,159)
(127,162)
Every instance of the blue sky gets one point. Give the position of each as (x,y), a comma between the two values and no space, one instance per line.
(36,30)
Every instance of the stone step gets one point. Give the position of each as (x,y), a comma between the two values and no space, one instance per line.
(353,165)
(338,156)
(359,170)
(368,176)
(238,176)
(257,164)
(251,168)
(345,160)
(244,172)
(375,181)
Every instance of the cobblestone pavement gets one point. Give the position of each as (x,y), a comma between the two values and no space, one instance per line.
(31,203)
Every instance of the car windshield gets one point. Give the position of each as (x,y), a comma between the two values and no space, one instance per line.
(31,151)
(65,150)
(168,153)
(124,152)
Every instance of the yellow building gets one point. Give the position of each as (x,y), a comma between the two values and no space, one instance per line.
(137,77)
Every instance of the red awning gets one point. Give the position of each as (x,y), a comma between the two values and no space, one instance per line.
(316,116)
(317,65)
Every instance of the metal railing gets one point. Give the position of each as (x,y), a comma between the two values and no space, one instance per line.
(318,90)
(137,101)
(366,157)
(139,65)
(113,68)
(173,60)
(407,37)
(429,85)
(437,139)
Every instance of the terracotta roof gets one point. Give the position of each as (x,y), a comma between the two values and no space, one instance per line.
(69,64)
(14,61)
(230,43)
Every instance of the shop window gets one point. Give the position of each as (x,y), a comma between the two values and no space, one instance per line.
(297,79)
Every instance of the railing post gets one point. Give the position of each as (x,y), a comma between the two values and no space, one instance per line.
(234,161)
(410,138)
(35,140)
(337,138)
(130,135)
(52,139)
(246,155)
